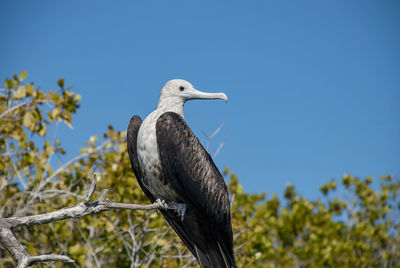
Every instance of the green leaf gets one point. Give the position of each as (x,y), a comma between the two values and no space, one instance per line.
(28,121)
(61,82)
(76,249)
(20,93)
(8,83)
(29,89)
(68,124)
(23,75)
(77,97)
(54,96)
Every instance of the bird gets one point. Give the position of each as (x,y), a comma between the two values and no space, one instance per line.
(172,166)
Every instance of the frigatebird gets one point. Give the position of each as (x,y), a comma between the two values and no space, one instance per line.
(171,165)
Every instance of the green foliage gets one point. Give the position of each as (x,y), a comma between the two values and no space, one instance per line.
(354,225)
(27,112)
(360,230)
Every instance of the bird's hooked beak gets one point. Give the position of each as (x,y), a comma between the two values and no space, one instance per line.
(194,94)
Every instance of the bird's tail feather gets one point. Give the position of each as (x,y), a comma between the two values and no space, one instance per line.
(214,257)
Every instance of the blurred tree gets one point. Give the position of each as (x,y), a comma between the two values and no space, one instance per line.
(356,225)
(362,229)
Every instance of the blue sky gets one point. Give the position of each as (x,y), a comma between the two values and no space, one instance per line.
(313,86)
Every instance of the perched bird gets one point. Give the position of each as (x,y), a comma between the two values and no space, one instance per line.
(171,165)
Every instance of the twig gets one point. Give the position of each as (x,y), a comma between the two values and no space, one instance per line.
(21,180)
(210,136)
(93,252)
(91,190)
(53,152)
(27,103)
(189,262)
(219,148)
(15,107)
(103,195)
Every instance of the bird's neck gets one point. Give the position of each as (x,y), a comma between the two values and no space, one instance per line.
(171,105)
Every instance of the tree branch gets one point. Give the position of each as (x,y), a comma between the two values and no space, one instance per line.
(211,136)
(19,253)
(15,107)
(85,208)
(25,103)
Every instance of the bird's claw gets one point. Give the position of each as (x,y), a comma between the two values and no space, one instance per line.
(162,203)
(179,208)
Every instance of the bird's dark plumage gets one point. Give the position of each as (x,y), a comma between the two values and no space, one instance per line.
(206,228)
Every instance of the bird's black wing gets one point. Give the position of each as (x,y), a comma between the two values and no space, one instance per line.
(206,229)
(133,129)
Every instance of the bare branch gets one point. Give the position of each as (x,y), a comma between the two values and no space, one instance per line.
(15,107)
(103,195)
(52,193)
(9,242)
(76,211)
(49,257)
(210,136)
(27,103)
(93,252)
(91,190)
(219,149)
(18,251)
(20,179)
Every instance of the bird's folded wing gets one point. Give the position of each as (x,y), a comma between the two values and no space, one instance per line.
(191,170)
(133,129)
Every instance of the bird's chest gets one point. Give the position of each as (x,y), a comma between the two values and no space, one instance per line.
(150,164)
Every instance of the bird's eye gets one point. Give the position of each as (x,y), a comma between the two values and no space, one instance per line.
(181,88)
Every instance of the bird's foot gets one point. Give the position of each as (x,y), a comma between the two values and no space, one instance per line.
(162,203)
(179,208)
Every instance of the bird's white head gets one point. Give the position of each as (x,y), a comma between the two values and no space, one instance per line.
(177,91)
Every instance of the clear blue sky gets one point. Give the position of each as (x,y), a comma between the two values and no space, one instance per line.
(313,86)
